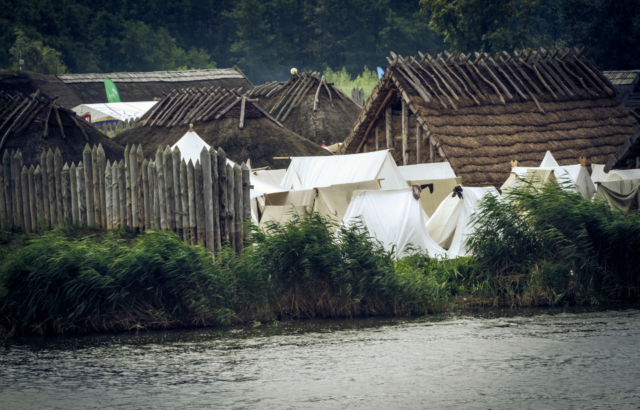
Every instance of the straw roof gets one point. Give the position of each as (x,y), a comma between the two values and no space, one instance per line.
(309,106)
(75,89)
(222,118)
(628,156)
(480,113)
(35,123)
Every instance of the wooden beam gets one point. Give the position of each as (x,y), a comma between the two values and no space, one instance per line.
(242,107)
(377,137)
(405,134)
(388,117)
(372,122)
(418,143)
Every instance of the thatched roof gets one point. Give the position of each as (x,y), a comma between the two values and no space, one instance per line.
(481,113)
(222,118)
(628,156)
(627,84)
(35,123)
(75,89)
(309,106)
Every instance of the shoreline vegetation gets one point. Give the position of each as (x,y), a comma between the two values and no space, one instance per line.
(536,247)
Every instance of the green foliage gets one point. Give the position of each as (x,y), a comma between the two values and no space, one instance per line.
(549,245)
(35,56)
(610,27)
(367,80)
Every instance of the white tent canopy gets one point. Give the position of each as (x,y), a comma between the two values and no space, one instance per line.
(190,146)
(450,225)
(121,111)
(316,172)
(576,175)
(273,176)
(427,172)
(623,174)
(395,218)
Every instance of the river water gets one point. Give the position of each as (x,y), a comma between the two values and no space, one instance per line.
(537,359)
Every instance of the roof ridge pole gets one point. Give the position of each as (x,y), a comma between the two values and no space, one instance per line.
(495,78)
(438,85)
(413,80)
(492,85)
(504,74)
(442,74)
(476,81)
(506,64)
(460,67)
(464,85)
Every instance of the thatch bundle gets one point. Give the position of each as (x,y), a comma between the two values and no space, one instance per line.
(480,113)
(222,118)
(76,89)
(309,106)
(36,123)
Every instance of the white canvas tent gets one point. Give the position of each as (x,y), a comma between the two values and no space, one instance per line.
(335,199)
(623,174)
(395,218)
(273,176)
(440,174)
(317,172)
(598,174)
(576,175)
(121,111)
(450,225)
(190,146)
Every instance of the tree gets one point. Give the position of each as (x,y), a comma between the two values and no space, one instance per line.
(480,25)
(610,27)
(31,55)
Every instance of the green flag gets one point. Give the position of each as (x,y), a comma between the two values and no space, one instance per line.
(112,91)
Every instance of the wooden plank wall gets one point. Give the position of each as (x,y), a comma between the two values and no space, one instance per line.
(196,201)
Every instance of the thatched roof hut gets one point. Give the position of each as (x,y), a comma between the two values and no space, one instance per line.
(75,89)
(481,113)
(35,123)
(627,84)
(309,106)
(627,156)
(222,118)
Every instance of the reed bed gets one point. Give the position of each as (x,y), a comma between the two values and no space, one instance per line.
(535,247)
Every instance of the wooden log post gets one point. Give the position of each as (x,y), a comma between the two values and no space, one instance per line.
(24,196)
(377,133)
(145,193)
(169,187)
(140,189)
(82,200)
(133,174)
(238,208)
(207,191)
(96,187)
(115,199)
(222,195)
(102,186)
(73,184)
(45,189)
(3,211)
(57,173)
(153,188)
(388,120)
(127,190)
(122,194)
(39,197)
(8,194)
(33,208)
(405,134)
(12,190)
(65,185)
(192,203)
(231,206)
(88,186)
(17,165)
(201,230)
(162,207)
(177,191)
(108,175)
(418,144)
(115,196)
(184,195)
(215,188)
(246,198)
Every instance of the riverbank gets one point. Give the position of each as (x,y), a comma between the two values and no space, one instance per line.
(538,248)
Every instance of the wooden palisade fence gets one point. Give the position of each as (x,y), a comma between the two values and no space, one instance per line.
(205,203)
